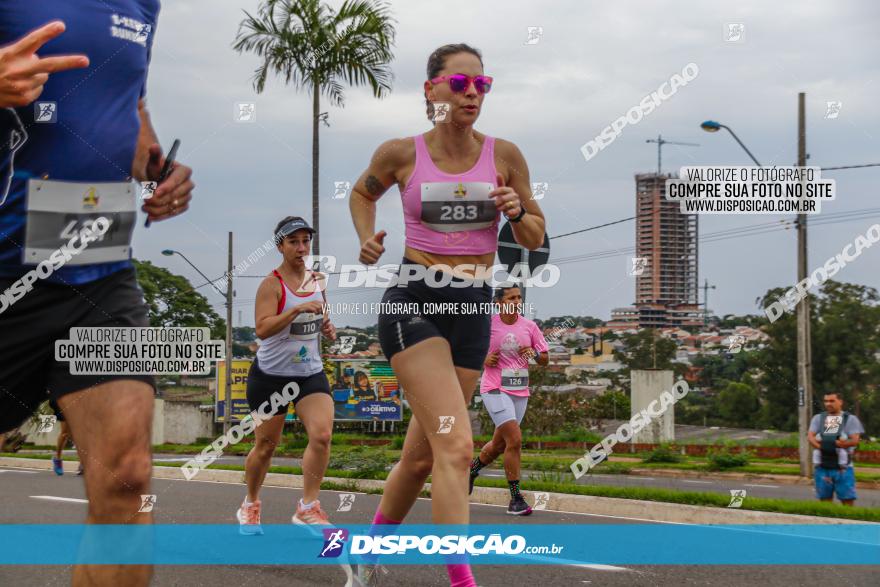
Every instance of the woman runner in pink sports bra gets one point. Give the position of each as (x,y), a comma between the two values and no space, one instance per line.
(455,184)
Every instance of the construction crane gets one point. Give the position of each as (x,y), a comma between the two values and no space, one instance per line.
(660,142)
(706,288)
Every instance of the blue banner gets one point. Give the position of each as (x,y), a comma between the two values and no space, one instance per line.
(633,544)
(368,410)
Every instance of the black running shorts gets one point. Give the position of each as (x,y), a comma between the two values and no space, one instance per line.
(261,386)
(29,373)
(467,332)
(59,414)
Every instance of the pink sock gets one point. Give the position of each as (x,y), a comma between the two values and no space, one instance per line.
(380,519)
(460,575)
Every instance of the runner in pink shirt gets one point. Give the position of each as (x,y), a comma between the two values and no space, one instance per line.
(504,389)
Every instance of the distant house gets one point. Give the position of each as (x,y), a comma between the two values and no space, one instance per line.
(605,348)
(604,366)
(580,388)
(559,354)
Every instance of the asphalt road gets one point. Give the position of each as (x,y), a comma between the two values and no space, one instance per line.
(212,503)
(693,482)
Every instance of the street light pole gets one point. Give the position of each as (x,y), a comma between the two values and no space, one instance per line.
(227,420)
(805,384)
(170,252)
(712,126)
(804,347)
(227,402)
(804,368)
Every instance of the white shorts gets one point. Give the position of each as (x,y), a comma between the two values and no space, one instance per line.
(503,407)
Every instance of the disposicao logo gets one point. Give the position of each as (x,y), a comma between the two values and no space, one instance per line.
(334,542)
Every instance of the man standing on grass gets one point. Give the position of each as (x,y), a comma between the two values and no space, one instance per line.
(834,435)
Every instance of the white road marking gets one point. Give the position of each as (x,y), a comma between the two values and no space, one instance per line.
(627,477)
(17,471)
(758,485)
(601,568)
(54,498)
(701,482)
(163,459)
(597,567)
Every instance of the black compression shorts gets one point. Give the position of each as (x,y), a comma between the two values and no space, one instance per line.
(467,331)
(261,386)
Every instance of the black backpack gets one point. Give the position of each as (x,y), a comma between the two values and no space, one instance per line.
(829,449)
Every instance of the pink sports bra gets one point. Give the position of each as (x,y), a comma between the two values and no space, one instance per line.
(451,213)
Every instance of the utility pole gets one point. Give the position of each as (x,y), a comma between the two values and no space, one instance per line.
(804,367)
(227,409)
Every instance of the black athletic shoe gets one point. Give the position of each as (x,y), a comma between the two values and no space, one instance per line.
(473,478)
(519,507)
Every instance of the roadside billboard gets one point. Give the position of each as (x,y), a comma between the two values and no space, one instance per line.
(363,390)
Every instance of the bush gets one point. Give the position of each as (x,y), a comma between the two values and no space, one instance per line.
(549,410)
(365,461)
(725,458)
(291,443)
(571,433)
(663,454)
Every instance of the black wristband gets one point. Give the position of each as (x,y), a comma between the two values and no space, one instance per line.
(518,217)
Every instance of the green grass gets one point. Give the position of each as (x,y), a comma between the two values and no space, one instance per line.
(48,457)
(538,463)
(563,464)
(552,482)
(807,508)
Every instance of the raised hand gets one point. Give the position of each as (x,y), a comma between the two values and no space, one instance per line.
(23,73)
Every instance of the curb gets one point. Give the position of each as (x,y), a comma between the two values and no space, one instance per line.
(650,511)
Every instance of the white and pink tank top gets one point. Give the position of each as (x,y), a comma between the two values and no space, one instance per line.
(451,213)
(295,351)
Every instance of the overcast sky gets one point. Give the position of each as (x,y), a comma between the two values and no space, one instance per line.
(593,62)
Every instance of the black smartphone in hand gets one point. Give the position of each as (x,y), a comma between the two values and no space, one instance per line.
(166,169)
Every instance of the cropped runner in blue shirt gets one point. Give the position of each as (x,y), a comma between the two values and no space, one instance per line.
(75,138)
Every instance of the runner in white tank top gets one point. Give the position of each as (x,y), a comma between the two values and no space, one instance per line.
(294,351)
(290,320)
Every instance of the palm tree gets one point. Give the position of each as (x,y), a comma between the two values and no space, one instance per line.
(320,50)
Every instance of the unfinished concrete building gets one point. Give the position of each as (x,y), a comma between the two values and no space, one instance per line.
(666,286)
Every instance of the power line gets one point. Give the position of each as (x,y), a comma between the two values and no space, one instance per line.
(598,226)
(725,234)
(754,230)
(850,166)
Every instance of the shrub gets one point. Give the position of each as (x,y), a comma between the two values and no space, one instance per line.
(290,443)
(365,461)
(725,458)
(663,454)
